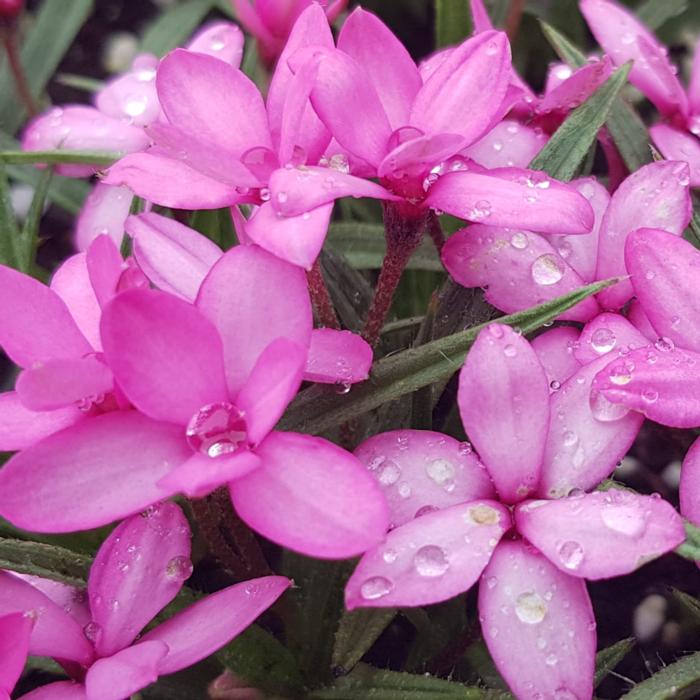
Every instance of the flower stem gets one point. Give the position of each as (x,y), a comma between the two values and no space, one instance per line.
(404,232)
(435,231)
(9,40)
(515,15)
(321,298)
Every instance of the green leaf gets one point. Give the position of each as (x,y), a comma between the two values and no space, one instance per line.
(216,225)
(367,682)
(45,560)
(689,603)
(607,659)
(317,409)
(679,680)
(453,22)
(55,27)
(364,247)
(55,157)
(9,233)
(655,14)
(568,147)
(29,238)
(692,233)
(174,26)
(79,82)
(357,631)
(690,549)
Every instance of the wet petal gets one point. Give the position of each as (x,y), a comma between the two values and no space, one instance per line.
(104,211)
(639,319)
(61,690)
(509,144)
(131,97)
(337,357)
(222,40)
(675,144)
(105,268)
(689,490)
(15,629)
(577,88)
(608,334)
(555,349)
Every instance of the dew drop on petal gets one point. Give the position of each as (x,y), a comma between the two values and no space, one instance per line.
(510,351)
(388,473)
(623,519)
(431,561)
(570,555)
(546,270)
(664,344)
(604,410)
(530,608)
(216,429)
(603,340)
(441,471)
(376,587)
(179,568)
(425,510)
(91,631)
(519,240)
(390,556)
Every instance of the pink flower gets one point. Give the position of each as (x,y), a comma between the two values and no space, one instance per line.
(15,629)
(520,268)
(271,21)
(453,527)
(210,381)
(139,569)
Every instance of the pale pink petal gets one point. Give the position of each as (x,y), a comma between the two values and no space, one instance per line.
(35,323)
(137,571)
(73,600)
(519,269)
(420,471)
(311,496)
(639,319)
(430,64)
(206,626)
(430,559)
(389,66)
(664,271)
(201,474)
(165,355)
(538,624)
(587,435)
(509,144)
(15,629)
(61,690)
(55,633)
(126,672)
(675,144)
(464,94)
(556,351)
(689,491)
(247,15)
(337,357)
(601,534)
(131,97)
(21,428)
(222,40)
(557,73)
(480,16)
(576,89)
(190,83)
(91,474)
(272,384)
(246,285)
(105,268)
(655,196)
(103,212)
(173,256)
(608,334)
(504,404)
(512,197)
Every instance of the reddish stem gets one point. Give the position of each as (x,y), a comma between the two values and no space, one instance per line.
(321,299)
(9,40)
(515,15)
(435,231)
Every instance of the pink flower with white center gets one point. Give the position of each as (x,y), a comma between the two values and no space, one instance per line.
(454,527)
(625,38)
(209,382)
(139,569)
(271,21)
(15,629)
(52,333)
(521,269)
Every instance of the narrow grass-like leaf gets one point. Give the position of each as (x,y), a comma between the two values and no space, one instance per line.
(357,631)
(216,225)
(45,560)
(55,27)
(677,681)
(79,82)
(569,145)
(655,14)
(317,409)
(29,238)
(692,233)
(9,233)
(174,26)
(607,659)
(58,156)
(688,603)
(453,22)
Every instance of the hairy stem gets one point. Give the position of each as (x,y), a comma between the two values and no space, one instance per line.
(321,299)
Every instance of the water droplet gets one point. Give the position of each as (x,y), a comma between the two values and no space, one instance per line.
(482,515)
(510,351)
(622,374)
(541,643)
(440,471)
(628,38)
(519,240)
(465,448)
(551,660)
(604,410)
(179,568)
(492,582)
(376,587)
(339,162)
(480,210)
(571,555)
(404,489)
(496,330)
(546,270)
(554,385)
(216,429)
(530,608)
(664,344)
(425,510)
(390,556)
(431,561)
(603,340)
(388,473)
(570,438)
(564,694)
(625,519)
(92,631)
(282,197)
(650,395)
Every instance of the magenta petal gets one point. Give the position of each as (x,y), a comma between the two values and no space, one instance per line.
(55,632)
(173,256)
(555,349)
(201,474)
(73,600)
(429,559)
(138,570)
(131,97)
(675,144)
(61,690)
(35,324)
(415,157)
(311,496)
(67,473)
(420,471)
(58,383)
(519,269)
(272,384)
(586,438)
(504,403)
(608,333)
(662,383)
(126,672)
(538,624)
(509,144)
(576,89)
(337,357)
(222,40)
(105,267)
(206,626)
(655,196)
(689,491)
(103,212)
(164,354)
(388,65)
(513,198)
(15,629)
(21,428)
(601,535)
(248,284)
(639,319)
(664,271)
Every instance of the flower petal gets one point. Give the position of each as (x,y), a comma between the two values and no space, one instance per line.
(509,144)
(206,626)
(91,474)
(61,690)
(639,319)
(538,624)
(420,471)
(555,349)
(608,334)
(105,268)
(165,355)
(15,630)
(503,399)
(248,284)
(675,144)
(222,40)
(104,211)
(130,97)
(337,357)
(429,559)
(138,570)
(689,491)
(576,89)
(311,496)
(601,535)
